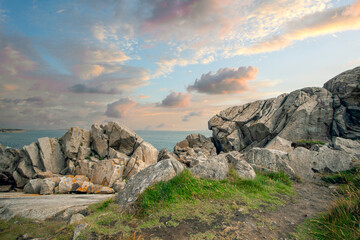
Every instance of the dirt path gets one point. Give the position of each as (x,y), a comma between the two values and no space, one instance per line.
(309,200)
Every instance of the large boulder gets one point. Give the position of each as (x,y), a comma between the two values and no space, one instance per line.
(161,171)
(345,88)
(215,167)
(51,154)
(307,163)
(76,143)
(9,160)
(242,168)
(308,113)
(32,151)
(349,146)
(302,114)
(269,160)
(99,141)
(193,147)
(144,155)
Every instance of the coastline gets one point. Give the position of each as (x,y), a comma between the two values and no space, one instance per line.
(9,130)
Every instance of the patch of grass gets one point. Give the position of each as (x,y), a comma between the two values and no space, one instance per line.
(342,220)
(310,141)
(185,188)
(18,226)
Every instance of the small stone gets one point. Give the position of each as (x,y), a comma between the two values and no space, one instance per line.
(76,218)
(78,229)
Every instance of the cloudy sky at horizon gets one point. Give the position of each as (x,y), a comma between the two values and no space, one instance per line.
(164,64)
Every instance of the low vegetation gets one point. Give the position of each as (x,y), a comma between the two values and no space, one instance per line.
(168,204)
(342,220)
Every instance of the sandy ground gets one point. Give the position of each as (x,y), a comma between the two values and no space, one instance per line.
(42,207)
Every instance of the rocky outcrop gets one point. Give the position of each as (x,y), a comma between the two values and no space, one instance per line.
(308,113)
(51,154)
(193,147)
(166,154)
(216,167)
(345,88)
(242,168)
(269,160)
(161,171)
(107,154)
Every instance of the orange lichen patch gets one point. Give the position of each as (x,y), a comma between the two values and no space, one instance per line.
(74,181)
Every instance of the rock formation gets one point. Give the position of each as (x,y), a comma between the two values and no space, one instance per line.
(308,113)
(263,131)
(101,158)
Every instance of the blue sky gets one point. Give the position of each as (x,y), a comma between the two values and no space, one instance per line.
(164,65)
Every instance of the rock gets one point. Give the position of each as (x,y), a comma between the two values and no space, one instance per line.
(51,154)
(100,189)
(78,229)
(349,146)
(161,171)
(119,185)
(33,186)
(306,163)
(346,90)
(9,160)
(106,172)
(73,140)
(47,187)
(144,155)
(71,184)
(193,147)
(268,160)
(66,215)
(99,141)
(122,138)
(116,154)
(32,151)
(242,168)
(20,180)
(216,167)
(76,218)
(25,168)
(5,188)
(302,114)
(166,154)
(279,143)
(43,175)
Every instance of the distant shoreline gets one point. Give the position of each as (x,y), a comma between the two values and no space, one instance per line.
(10,130)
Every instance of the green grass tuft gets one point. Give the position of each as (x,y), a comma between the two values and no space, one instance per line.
(185,188)
(310,141)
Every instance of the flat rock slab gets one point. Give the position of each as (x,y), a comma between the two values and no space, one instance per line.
(43,207)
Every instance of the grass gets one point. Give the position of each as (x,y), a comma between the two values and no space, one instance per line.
(310,141)
(342,220)
(185,188)
(168,204)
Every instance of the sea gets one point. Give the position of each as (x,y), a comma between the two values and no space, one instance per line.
(159,139)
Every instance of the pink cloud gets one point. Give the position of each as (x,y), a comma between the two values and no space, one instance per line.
(142,96)
(224,81)
(176,100)
(120,108)
(12,62)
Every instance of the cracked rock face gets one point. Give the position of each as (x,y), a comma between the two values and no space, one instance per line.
(308,113)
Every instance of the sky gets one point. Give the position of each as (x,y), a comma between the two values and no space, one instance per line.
(164,64)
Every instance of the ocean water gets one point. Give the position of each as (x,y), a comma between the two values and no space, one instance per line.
(159,139)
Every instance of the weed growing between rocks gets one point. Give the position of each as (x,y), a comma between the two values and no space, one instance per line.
(342,220)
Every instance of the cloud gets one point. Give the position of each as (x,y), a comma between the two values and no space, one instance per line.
(192,114)
(82,88)
(60,11)
(36,100)
(224,81)
(12,62)
(326,22)
(176,100)
(87,71)
(142,96)
(161,125)
(120,108)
